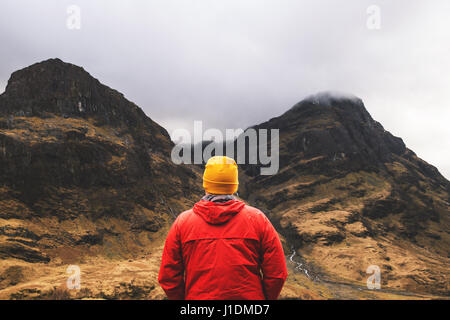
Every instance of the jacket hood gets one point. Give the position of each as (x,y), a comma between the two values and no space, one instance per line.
(216,212)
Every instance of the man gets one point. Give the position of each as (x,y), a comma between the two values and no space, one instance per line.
(222,249)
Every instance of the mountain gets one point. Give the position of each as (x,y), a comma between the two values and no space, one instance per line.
(84,173)
(349,195)
(86,179)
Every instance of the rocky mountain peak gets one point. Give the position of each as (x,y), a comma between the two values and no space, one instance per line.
(334,125)
(50,86)
(332,98)
(56,88)
(42,74)
(339,105)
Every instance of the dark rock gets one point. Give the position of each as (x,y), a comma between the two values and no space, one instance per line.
(18,251)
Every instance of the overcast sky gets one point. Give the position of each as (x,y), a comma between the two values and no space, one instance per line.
(235,63)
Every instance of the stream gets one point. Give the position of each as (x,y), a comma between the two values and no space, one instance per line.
(301,266)
(341,290)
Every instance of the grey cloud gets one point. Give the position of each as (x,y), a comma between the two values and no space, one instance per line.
(236,63)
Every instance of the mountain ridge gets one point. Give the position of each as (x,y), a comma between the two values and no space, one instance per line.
(95,186)
(345,183)
(59,88)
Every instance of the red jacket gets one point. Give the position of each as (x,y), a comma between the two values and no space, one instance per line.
(222,251)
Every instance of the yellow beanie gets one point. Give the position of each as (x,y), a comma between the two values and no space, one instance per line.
(220,176)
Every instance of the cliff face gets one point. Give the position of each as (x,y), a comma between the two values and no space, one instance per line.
(83,171)
(349,195)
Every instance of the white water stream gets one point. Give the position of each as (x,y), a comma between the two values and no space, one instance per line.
(301,267)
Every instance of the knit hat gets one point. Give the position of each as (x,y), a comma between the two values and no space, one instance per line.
(220,176)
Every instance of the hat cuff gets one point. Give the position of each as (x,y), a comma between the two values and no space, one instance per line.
(220,188)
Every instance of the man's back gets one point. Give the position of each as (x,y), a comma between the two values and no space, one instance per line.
(222,251)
